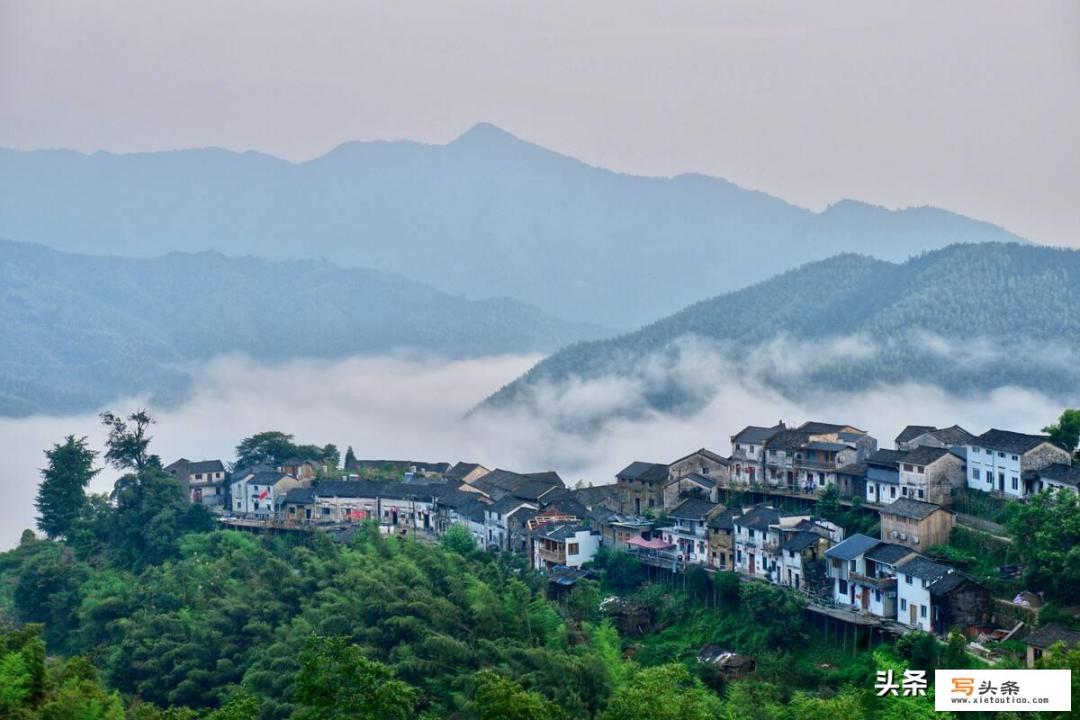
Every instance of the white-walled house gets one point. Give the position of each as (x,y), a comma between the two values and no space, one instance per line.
(689,532)
(748,454)
(1054,476)
(863,573)
(1005,463)
(260,493)
(571,545)
(914,578)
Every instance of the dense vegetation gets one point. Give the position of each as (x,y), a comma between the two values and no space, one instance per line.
(968,317)
(488,215)
(134,607)
(70,344)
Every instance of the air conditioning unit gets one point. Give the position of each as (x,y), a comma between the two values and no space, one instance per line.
(902,536)
(915,539)
(895,534)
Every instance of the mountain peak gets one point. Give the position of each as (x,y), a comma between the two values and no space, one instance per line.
(485,133)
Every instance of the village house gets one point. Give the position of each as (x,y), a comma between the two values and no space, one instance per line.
(694,485)
(931,474)
(259,492)
(456,507)
(805,459)
(1041,639)
(298,505)
(559,544)
(1053,477)
(862,571)
(883,476)
(1006,463)
(957,600)
(203,481)
(851,480)
(640,487)
(801,548)
(498,519)
(720,532)
(914,577)
(688,532)
(499,484)
(409,506)
(748,453)
(303,470)
(916,524)
(466,473)
(759,533)
(708,469)
(916,436)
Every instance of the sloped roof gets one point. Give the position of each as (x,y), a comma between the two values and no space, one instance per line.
(755,435)
(819,428)
(888,553)
(592,496)
(954,435)
(759,517)
(723,521)
(855,469)
(801,540)
(1009,441)
(500,483)
(644,471)
(349,489)
(560,532)
(886,458)
(461,469)
(692,509)
(911,508)
(913,431)
(704,452)
(1067,474)
(923,568)
(852,547)
(950,581)
(925,455)
(1052,633)
(300,496)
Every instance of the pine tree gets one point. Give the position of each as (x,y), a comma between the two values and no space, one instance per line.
(350,458)
(62,492)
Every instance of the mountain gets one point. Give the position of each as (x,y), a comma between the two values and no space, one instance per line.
(487,215)
(968,318)
(80,330)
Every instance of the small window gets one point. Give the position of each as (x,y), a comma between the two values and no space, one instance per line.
(1014,457)
(921,470)
(907,579)
(989,451)
(852,565)
(974,473)
(903,604)
(922,611)
(921,493)
(572,549)
(1001,454)
(877,596)
(908,467)
(1015,484)
(843,586)
(892,492)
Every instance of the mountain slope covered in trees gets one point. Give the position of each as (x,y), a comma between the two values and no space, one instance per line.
(488,215)
(79,331)
(967,318)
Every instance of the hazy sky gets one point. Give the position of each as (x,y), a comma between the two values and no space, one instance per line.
(974,106)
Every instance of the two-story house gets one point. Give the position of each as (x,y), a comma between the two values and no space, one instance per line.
(203,480)
(914,577)
(702,463)
(569,545)
(689,532)
(950,438)
(258,492)
(931,474)
(883,476)
(640,487)
(720,533)
(1054,476)
(748,453)
(1005,463)
(916,524)
(863,572)
(806,459)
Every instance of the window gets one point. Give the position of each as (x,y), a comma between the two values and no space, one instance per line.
(1015,483)
(326,511)
(572,549)
(1001,454)
(975,473)
(903,603)
(921,493)
(907,579)
(738,446)
(877,596)
(852,566)
(921,470)
(908,467)
(1014,457)
(989,451)
(892,492)
(922,611)
(843,586)
(903,491)
(925,583)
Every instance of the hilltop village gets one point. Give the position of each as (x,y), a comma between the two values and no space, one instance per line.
(758,511)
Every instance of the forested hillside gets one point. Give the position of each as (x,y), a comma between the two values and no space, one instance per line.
(967,318)
(79,331)
(488,215)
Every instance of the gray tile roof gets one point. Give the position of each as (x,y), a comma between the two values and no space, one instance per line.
(923,568)
(644,471)
(1067,474)
(759,517)
(754,435)
(852,547)
(1052,633)
(886,458)
(954,435)
(913,431)
(692,509)
(1008,441)
(801,540)
(910,508)
(888,553)
(926,455)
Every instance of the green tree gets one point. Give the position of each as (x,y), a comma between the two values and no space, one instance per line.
(336,681)
(1066,431)
(350,457)
(126,447)
(1046,538)
(62,493)
(665,692)
(458,539)
(920,649)
(499,698)
(956,656)
(265,448)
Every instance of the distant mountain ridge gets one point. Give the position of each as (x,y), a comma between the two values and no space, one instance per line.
(968,318)
(79,331)
(486,215)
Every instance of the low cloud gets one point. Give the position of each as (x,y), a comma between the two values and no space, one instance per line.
(416,409)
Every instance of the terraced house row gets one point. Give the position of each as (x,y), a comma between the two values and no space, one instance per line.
(670,515)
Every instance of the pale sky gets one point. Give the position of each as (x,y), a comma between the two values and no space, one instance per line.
(972,106)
